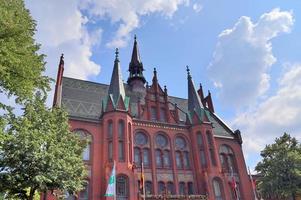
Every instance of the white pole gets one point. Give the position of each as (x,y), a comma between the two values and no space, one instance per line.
(115,179)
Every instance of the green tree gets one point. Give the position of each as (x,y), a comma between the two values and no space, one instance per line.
(280,169)
(21,66)
(38,153)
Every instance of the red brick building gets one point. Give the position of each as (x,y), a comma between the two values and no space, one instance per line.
(185,147)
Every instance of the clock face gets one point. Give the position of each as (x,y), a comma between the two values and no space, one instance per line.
(161,141)
(180,143)
(140,138)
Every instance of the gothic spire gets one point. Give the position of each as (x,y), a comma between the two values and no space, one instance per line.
(58,84)
(136,66)
(194,101)
(116,88)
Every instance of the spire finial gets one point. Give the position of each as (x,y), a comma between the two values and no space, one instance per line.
(155,70)
(116,53)
(62,59)
(135,37)
(188,70)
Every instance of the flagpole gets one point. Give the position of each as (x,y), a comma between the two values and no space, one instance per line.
(115,181)
(142,179)
(252,183)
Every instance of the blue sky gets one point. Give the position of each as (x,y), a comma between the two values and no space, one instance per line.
(247,53)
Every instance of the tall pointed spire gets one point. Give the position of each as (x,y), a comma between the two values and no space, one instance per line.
(58,85)
(194,101)
(116,88)
(136,66)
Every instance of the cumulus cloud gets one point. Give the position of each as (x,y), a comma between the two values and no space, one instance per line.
(128,13)
(277,114)
(61,28)
(243,57)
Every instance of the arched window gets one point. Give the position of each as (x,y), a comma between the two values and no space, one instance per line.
(201,149)
(122,187)
(182,188)
(148,187)
(110,140)
(217,188)
(190,188)
(121,149)
(142,152)
(110,129)
(84,135)
(161,187)
(211,147)
(182,153)
(227,159)
(170,188)
(162,152)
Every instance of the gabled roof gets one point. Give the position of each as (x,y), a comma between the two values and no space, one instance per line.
(83,100)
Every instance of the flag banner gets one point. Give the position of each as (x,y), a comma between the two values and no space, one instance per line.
(111,184)
(234,185)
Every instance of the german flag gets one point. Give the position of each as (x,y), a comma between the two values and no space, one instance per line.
(142,179)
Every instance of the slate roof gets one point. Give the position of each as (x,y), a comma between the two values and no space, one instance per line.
(82,99)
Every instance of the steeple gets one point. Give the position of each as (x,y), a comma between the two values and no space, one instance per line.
(194,101)
(136,66)
(58,85)
(116,88)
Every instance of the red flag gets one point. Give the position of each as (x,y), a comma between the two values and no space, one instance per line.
(234,185)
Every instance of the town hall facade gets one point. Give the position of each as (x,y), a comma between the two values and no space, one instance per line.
(187,151)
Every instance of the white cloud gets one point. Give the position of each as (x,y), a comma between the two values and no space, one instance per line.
(277,114)
(197,7)
(61,29)
(128,13)
(243,57)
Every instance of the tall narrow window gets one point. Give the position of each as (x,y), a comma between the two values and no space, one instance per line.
(110,129)
(201,149)
(85,136)
(182,188)
(122,187)
(178,160)
(166,157)
(190,188)
(153,113)
(137,157)
(186,159)
(110,140)
(161,187)
(158,158)
(170,188)
(146,159)
(162,115)
(110,150)
(217,188)
(211,148)
(121,149)
(148,188)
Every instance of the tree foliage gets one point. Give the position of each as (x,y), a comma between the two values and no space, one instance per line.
(21,66)
(39,153)
(280,169)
